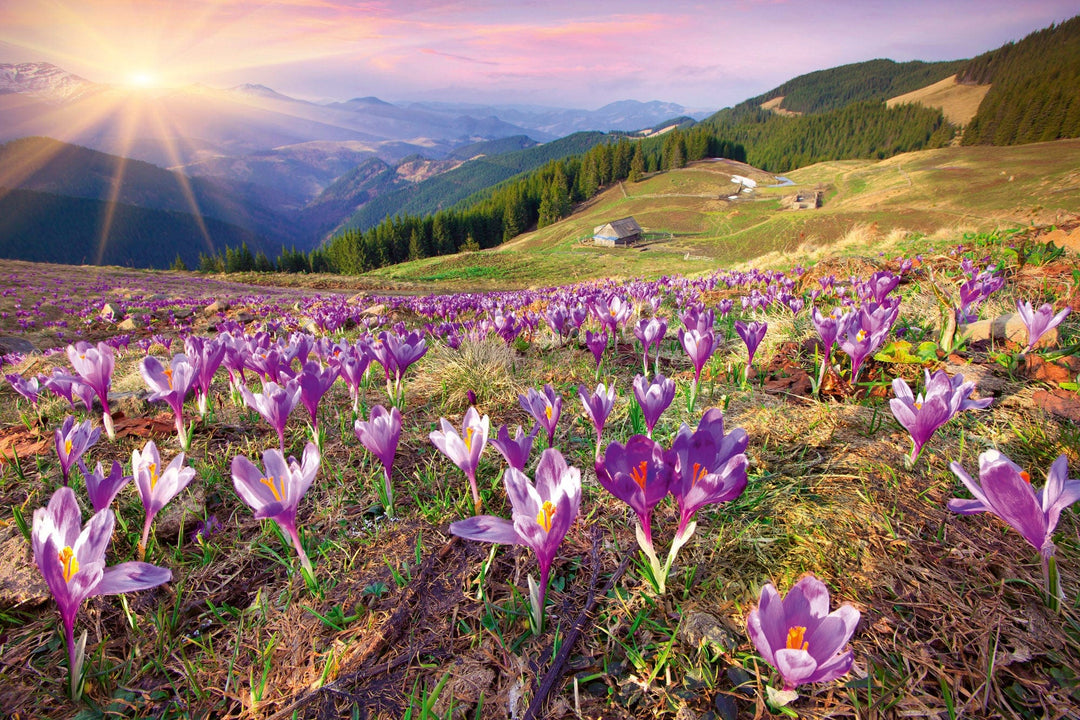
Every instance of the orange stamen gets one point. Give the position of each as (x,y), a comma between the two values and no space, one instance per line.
(795,638)
(640,473)
(1025,477)
(699,472)
(168,376)
(269,482)
(70,562)
(860,336)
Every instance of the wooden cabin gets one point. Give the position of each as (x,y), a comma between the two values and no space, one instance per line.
(617,233)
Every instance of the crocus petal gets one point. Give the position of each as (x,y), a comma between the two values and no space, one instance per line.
(1013,500)
(832,633)
(963,506)
(130,577)
(807,602)
(487,528)
(795,666)
(837,666)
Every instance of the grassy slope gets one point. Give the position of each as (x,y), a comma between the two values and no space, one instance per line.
(950,190)
(958,102)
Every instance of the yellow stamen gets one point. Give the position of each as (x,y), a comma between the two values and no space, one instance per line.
(795,639)
(918,406)
(71,563)
(640,473)
(860,336)
(67,447)
(468,439)
(153,475)
(543,518)
(547,411)
(270,483)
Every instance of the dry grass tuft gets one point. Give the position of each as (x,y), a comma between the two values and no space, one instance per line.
(488,368)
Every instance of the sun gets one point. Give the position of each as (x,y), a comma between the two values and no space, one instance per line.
(142,79)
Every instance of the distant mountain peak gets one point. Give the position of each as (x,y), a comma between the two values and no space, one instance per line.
(44,80)
(257,90)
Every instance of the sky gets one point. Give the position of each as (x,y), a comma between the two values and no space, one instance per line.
(563,53)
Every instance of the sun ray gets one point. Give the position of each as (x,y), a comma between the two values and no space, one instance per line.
(167,137)
(130,122)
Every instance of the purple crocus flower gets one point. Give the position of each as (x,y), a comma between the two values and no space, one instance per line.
(542,515)
(352,367)
(94,365)
(28,388)
(515,450)
(314,380)
(798,635)
(597,406)
(274,404)
(170,384)
(866,331)
(697,317)
(157,486)
(464,450)
(545,407)
(67,387)
(922,415)
(636,474)
(752,334)
(396,353)
(653,398)
(1039,322)
(72,441)
(707,466)
(380,435)
(1005,490)
(699,347)
(650,332)
(71,558)
(829,327)
(276,493)
(597,343)
(206,356)
(103,489)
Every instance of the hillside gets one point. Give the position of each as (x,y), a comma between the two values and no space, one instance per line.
(959,102)
(448,189)
(691,227)
(45,227)
(1035,93)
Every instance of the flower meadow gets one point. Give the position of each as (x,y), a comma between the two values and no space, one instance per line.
(804,493)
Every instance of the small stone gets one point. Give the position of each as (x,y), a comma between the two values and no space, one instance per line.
(987,382)
(309,326)
(183,512)
(741,681)
(685,713)
(21,346)
(597,689)
(704,629)
(244,317)
(182,313)
(1061,403)
(726,707)
(111,311)
(129,325)
(216,307)
(1006,327)
(20,581)
(1062,370)
(375,310)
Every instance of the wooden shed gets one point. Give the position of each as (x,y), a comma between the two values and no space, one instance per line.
(617,233)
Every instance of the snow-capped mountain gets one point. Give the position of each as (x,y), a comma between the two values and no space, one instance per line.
(46,81)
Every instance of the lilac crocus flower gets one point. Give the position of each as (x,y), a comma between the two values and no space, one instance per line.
(597,406)
(542,515)
(276,493)
(103,489)
(380,435)
(274,404)
(170,384)
(545,407)
(597,343)
(1039,322)
(636,474)
(922,415)
(653,398)
(157,486)
(66,386)
(752,334)
(314,380)
(206,356)
(464,450)
(866,331)
(516,449)
(699,347)
(28,388)
(94,365)
(798,635)
(650,332)
(72,441)
(396,353)
(352,368)
(829,327)
(71,558)
(1005,490)
(708,467)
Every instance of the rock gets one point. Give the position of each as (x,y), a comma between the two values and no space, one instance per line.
(22,346)
(111,311)
(1061,403)
(375,310)
(182,313)
(130,325)
(469,680)
(309,326)
(1006,327)
(726,706)
(182,513)
(20,581)
(244,317)
(357,299)
(1062,370)
(216,307)
(702,629)
(987,382)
